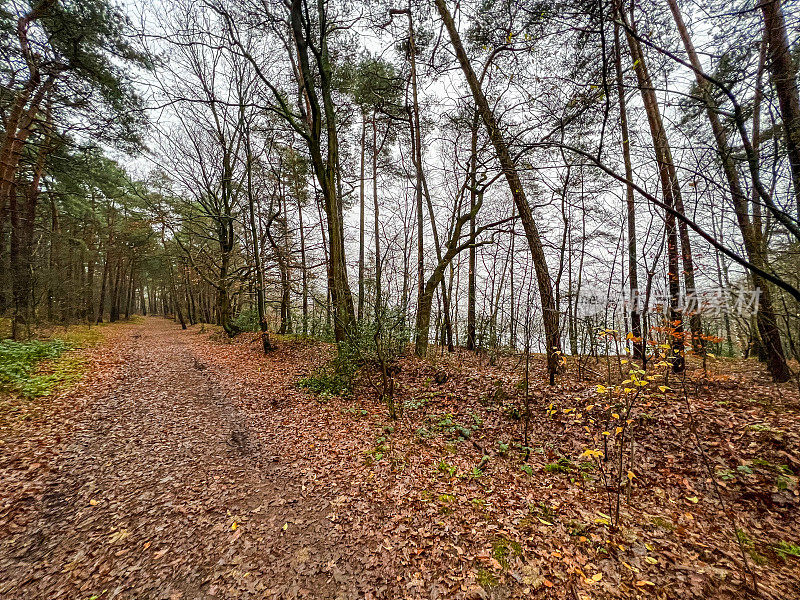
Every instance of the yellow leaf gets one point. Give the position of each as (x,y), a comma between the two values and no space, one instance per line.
(235,526)
(642,583)
(589,407)
(93,502)
(627,566)
(285,526)
(693,499)
(663,388)
(631,475)
(651,560)
(618,430)
(597,577)
(615,415)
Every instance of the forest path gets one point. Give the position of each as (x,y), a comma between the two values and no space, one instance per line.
(156,482)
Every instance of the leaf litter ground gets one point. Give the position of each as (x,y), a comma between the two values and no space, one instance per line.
(189,466)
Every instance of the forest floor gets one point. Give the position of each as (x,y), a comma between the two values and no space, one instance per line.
(184,465)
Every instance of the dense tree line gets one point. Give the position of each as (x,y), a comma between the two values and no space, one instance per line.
(493,175)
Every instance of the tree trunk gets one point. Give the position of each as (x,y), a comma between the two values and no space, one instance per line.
(224,309)
(549,312)
(633,277)
(102,300)
(453,248)
(131,291)
(325,169)
(473,252)
(784,78)
(304,270)
(22,216)
(360,315)
(376,211)
(668,189)
(765,318)
(415,132)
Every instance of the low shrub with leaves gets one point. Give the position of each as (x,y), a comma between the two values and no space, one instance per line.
(38,367)
(368,345)
(786,550)
(247,320)
(334,378)
(327,380)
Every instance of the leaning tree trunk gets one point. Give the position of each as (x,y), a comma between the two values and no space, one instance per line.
(549,311)
(751,235)
(668,188)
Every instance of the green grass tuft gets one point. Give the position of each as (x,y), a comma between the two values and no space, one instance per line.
(786,549)
(19,362)
(37,368)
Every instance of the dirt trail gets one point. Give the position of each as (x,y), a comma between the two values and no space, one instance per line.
(153,490)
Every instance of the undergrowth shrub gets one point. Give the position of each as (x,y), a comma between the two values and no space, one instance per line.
(370,344)
(247,320)
(334,378)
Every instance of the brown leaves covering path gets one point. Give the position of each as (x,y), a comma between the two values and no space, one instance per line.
(152,485)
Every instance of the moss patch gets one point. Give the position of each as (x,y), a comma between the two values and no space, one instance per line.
(504,550)
(487,580)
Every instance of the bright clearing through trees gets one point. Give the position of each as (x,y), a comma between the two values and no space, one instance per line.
(426,299)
